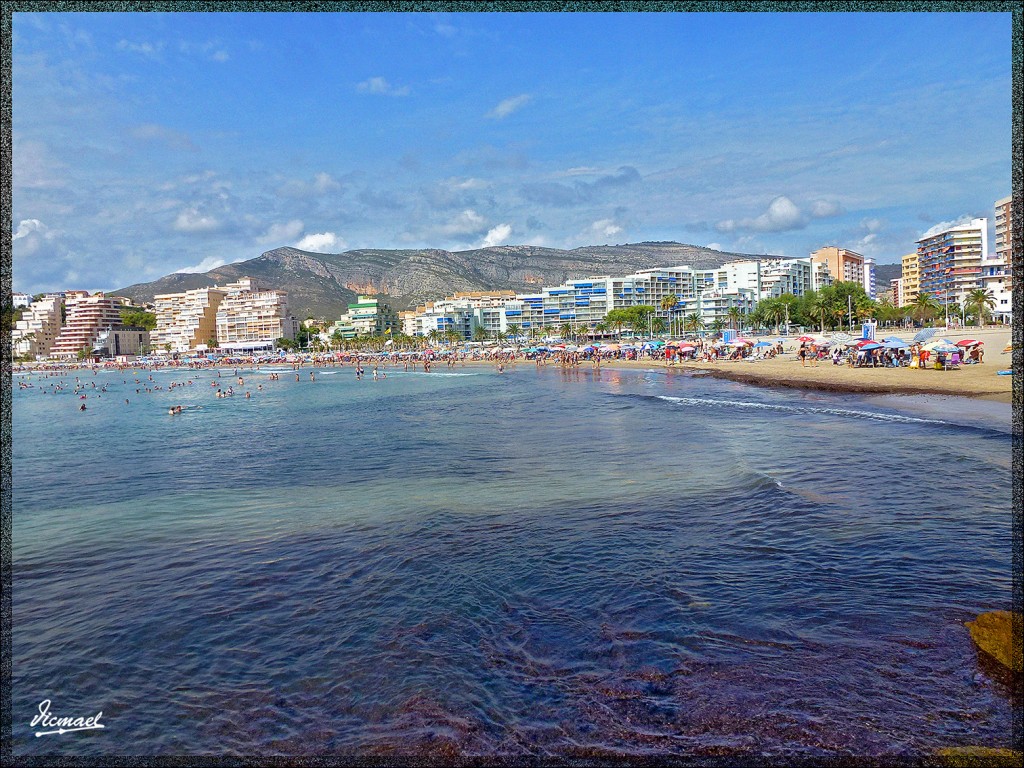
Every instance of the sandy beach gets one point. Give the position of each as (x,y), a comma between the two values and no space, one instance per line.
(981,381)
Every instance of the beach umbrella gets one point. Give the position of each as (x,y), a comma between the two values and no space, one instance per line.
(763,344)
(611,347)
(970,343)
(806,338)
(895,344)
(924,334)
(871,346)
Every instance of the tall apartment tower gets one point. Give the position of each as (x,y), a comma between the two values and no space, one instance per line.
(87,317)
(911,276)
(186,320)
(950,261)
(252,316)
(1004,239)
(843,265)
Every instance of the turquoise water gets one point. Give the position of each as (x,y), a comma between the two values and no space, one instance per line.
(534,563)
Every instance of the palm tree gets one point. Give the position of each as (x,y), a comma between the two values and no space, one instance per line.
(658,325)
(735,315)
(692,322)
(717,325)
(565,331)
(925,307)
(481,334)
(513,330)
(818,305)
(669,303)
(979,302)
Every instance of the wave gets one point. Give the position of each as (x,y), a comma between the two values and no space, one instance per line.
(805,410)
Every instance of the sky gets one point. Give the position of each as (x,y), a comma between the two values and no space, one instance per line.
(152,143)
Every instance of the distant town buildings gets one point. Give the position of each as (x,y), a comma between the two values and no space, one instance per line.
(869,278)
(1004,239)
(367,317)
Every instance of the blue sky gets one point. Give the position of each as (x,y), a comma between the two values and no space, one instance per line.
(149,143)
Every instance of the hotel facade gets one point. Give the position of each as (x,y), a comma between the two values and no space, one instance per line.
(950,261)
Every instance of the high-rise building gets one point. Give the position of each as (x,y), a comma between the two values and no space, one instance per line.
(843,265)
(38,328)
(1004,239)
(87,317)
(186,320)
(910,274)
(869,278)
(896,291)
(950,259)
(252,316)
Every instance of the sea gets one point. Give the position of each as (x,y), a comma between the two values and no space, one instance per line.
(537,563)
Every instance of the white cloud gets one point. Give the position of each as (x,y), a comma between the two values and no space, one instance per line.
(210,262)
(873,225)
(714,246)
(508,106)
(466,223)
(382,87)
(149,50)
(281,233)
(823,209)
(192,221)
(321,242)
(605,228)
(944,225)
(497,235)
(28,226)
(782,215)
(220,56)
(174,139)
(323,182)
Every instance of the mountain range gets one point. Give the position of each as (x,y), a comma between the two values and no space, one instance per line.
(322,285)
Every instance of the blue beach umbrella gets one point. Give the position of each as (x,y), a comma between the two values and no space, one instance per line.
(895,344)
(764,344)
(873,345)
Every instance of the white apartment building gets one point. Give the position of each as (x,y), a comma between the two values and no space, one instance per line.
(186,320)
(38,328)
(252,316)
(870,288)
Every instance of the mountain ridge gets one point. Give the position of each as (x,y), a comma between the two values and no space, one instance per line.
(323,284)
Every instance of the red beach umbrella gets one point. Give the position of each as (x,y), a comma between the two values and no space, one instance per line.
(970,343)
(806,338)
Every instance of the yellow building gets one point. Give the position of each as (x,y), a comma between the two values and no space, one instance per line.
(911,280)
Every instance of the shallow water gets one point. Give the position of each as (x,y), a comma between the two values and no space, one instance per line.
(529,564)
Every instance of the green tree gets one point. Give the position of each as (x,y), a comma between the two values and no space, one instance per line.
(925,307)
(735,315)
(137,317)
(692,322)
(84,352)
(513,330)
(979,302)
(565,331)
(717,325)
(658,325)
(480,334)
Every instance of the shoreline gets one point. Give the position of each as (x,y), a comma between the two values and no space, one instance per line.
(979,382)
